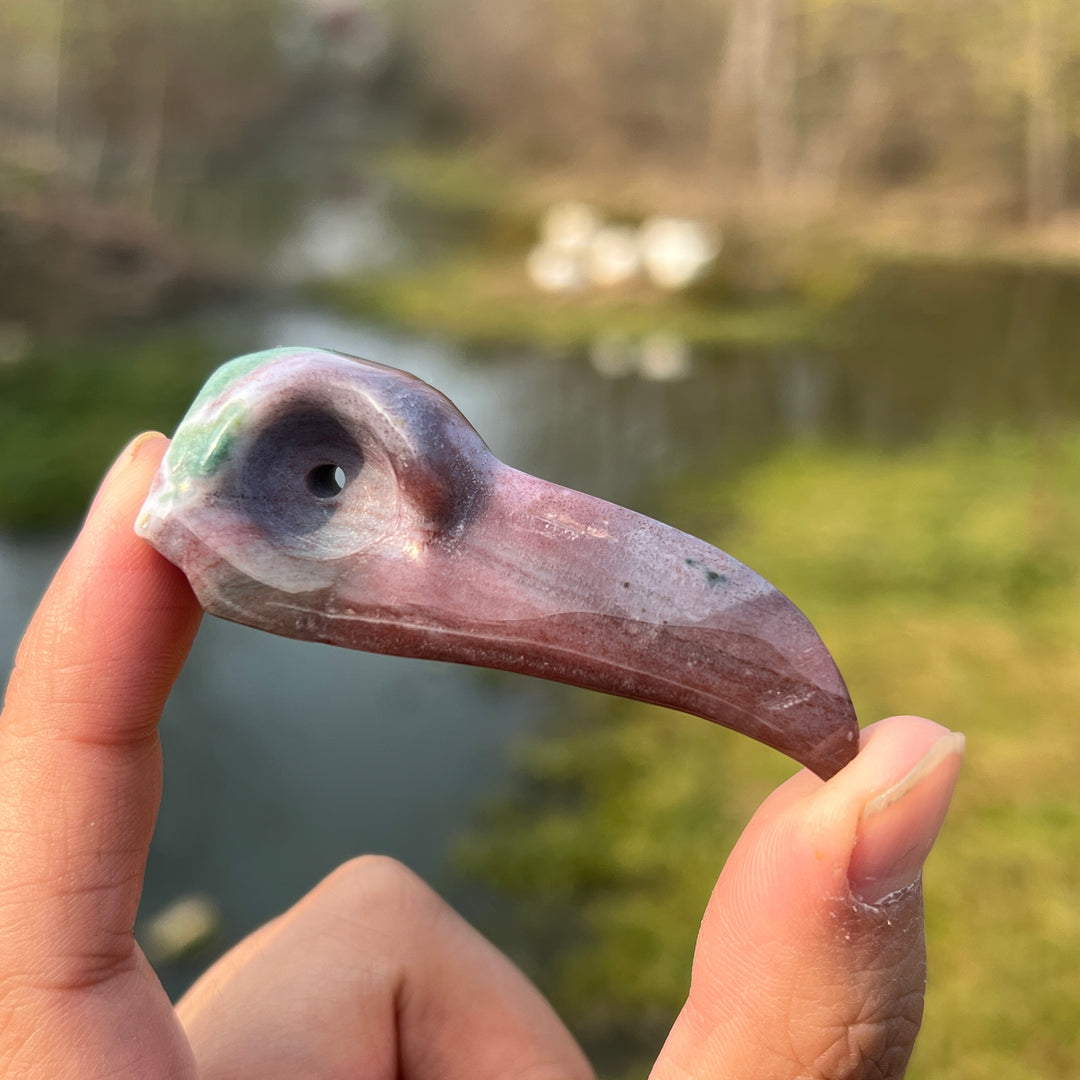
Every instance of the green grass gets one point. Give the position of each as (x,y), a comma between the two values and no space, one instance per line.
(945,580)
(66,411)
(458,181)
(486,300)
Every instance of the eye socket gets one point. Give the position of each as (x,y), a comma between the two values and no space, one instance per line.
(326,481)
(308,483)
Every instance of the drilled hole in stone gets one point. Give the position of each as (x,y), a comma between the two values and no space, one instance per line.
(326,481)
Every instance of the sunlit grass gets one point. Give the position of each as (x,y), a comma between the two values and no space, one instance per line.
(487,300)
(945,580)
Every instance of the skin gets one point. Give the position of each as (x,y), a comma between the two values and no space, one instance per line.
(809,961)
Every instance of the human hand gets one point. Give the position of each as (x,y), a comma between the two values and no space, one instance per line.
(809,962)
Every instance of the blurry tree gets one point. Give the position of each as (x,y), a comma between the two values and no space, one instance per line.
(810,97)
(788,96)
(581,79)
(30,81)
(1045,109)
(100,93)
(1027,58)
(112,113)
(757,74)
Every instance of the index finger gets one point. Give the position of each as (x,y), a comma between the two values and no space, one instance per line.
(80,770)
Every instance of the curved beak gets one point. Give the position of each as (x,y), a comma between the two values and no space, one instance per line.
(554,583)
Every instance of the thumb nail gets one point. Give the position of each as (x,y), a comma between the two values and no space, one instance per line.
(898,827)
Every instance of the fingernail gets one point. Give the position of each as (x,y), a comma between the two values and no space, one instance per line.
(898,827)
(136,444)
(129,454)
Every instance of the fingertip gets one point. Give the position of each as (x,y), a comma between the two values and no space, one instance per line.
(888,750)
(870,827)
(116,623)
(814,847)
(138,445)
(906,729)
(899,824)
(142,454)
(108,540)
(816,921)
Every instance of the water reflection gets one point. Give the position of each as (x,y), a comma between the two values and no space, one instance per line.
(333,237)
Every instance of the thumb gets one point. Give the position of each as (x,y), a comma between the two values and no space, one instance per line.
(811,960)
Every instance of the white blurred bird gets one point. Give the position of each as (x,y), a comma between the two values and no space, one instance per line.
(552,270)
(613,258)
(676,251)
(569,227)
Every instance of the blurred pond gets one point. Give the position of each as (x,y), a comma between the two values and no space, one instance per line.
(284,759)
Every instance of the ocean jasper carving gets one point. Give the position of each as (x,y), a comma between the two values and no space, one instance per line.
(332,499)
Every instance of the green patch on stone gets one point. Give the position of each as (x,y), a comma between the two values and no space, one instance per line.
(233,370)
(205,439)
(201,447)
(224,435)
(713,577)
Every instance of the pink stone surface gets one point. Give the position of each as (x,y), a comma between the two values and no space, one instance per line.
(331,499)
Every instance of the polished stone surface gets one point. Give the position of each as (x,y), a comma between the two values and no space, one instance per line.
(331,499)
